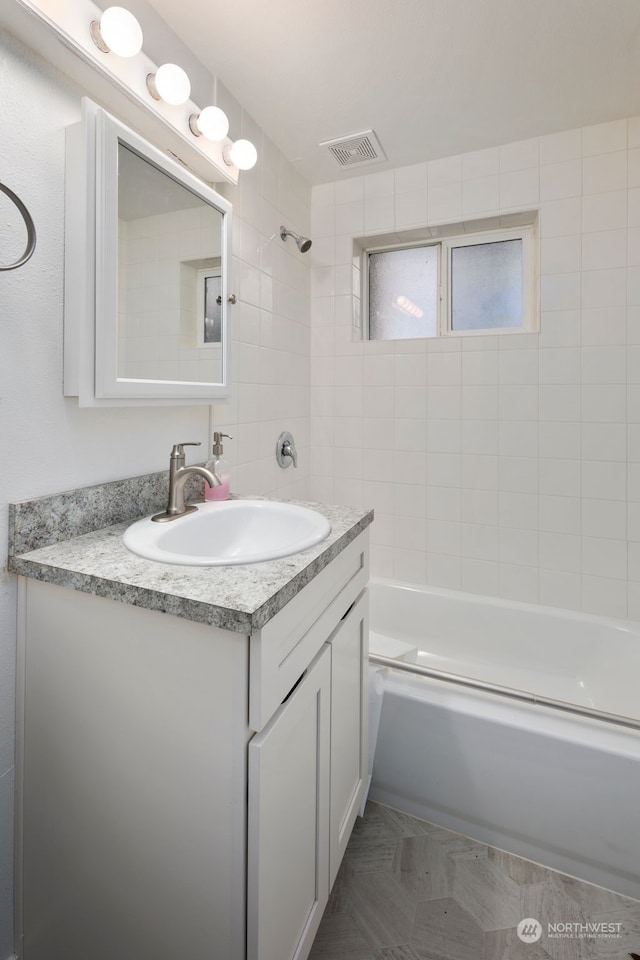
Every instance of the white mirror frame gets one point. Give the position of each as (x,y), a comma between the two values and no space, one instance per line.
(91,259)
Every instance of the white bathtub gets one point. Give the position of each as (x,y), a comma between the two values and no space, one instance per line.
(542,783)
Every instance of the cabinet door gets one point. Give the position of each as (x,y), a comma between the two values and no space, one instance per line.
(349,726)
(288,841)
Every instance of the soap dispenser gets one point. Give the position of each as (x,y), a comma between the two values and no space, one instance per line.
(220,466)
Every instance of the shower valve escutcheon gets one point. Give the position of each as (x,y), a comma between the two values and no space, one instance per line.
(286,453)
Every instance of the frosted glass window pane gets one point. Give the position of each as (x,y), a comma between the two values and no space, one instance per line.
(403,294)
(486,285)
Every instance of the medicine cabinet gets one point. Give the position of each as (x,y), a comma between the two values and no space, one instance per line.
(147,263)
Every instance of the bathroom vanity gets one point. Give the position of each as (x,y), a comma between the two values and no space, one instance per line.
(192,745)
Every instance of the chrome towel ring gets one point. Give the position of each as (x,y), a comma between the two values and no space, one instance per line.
(28,222)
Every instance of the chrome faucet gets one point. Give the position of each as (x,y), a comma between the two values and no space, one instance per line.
(178,476)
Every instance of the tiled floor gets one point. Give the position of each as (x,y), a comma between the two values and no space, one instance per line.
(408,890)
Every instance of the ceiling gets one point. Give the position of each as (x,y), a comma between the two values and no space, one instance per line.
(432,77)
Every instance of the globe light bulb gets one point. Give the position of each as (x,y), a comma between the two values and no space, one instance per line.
(169,83)
(117,32)
(211,123)
(242,154)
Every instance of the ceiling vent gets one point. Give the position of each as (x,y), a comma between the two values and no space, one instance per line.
(358,148)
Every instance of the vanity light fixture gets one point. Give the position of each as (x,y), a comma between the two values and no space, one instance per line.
(211,123)
(117,32)
(241,154)
(169,83)
(101,46)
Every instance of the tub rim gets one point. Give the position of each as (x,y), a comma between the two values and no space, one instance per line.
(510,693)
(625,624)
(515,694)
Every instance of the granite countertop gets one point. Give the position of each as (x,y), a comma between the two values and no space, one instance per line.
(240,598)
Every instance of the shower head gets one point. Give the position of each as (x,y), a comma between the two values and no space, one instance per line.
(302,243)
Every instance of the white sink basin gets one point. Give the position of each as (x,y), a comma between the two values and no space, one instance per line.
(229,532)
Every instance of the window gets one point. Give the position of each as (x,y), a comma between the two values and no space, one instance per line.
(471,283)
(209,315)
(403,293)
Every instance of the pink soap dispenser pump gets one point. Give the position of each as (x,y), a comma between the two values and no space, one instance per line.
(220,466)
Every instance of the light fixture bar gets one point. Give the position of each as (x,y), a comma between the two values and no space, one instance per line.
(61,33)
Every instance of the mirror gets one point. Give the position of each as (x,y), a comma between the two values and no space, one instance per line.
(157,250)
(169,283)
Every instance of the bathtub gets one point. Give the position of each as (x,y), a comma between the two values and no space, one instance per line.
(538,780)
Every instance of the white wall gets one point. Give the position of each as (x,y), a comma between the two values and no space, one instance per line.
(48,443)
(503,465)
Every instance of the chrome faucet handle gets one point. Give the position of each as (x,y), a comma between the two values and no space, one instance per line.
(286,453)
(178,449)
(290,451)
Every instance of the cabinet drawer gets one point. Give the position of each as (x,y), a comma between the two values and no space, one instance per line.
(286,645)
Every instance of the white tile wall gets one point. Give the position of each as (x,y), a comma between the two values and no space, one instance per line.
(500,465)
(272,376)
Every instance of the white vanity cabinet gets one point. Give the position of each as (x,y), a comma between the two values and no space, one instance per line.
(307,774)
(186,789)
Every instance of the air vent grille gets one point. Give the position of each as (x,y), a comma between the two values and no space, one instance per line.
(357,148)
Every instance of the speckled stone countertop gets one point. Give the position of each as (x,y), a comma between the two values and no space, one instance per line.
(240,598)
